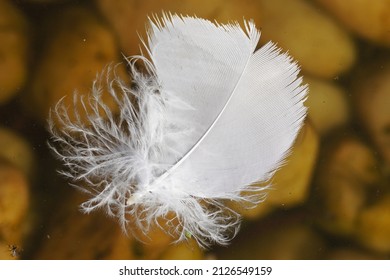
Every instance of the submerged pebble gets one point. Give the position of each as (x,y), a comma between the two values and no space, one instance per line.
(78,47)
(347,173)
(372,102)
(373,226)
(316,41)
(14,206)
(14,50)
(368,19)
(324,97)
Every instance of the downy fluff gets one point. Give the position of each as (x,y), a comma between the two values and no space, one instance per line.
(207,117)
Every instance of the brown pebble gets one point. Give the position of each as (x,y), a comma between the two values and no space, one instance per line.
(78,47)
(372,103)
(14,204)
(321,47)
(369,19)
(373,226)
(324,97)
(276,238)
(13,50)
(346,176)
(128,17)
(17,151)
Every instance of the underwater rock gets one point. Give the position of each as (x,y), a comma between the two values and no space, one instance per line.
(321,46)
(351,254)
(128,17)
(346,175)
(276,238)
(72,235)
(368,19)
(328,105)
(16,151)
(372,103)
(14,205)
(78,46)
(373,226)
(13,50)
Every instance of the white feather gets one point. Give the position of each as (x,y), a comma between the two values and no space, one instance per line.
(212,117)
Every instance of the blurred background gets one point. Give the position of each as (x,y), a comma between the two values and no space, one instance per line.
(330,201)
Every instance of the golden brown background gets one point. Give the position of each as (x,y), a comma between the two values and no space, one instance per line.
(330,201)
